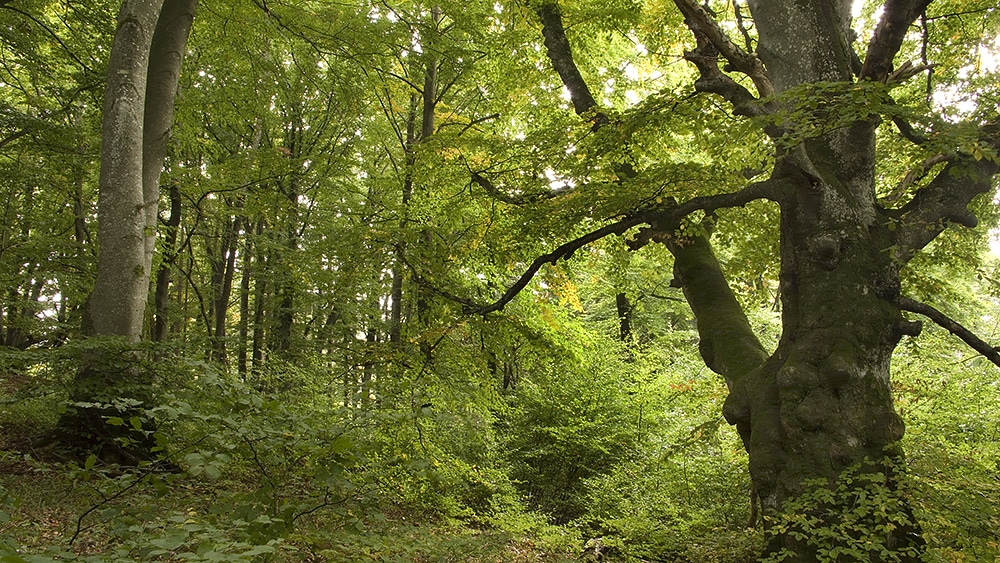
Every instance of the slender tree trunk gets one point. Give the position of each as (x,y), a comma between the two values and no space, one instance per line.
(624,310)
(260,308)
(396,290)
(161,295)
(426,102)
(223,282)
(368,372)
(286,284)
(244,324)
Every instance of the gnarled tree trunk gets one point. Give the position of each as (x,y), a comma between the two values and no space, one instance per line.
(819,407)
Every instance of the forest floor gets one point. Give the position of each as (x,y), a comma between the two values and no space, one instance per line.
(59,512)
(53,510)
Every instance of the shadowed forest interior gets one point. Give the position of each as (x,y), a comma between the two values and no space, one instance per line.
(509,281)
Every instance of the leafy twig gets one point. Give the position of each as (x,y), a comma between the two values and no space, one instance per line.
(154,468)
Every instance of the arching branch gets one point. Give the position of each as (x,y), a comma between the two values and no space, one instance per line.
(562,252)
(660,216)
(499,195)
(978,344)
(908,132)
(942,201)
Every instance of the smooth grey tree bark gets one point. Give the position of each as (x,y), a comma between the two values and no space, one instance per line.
(142,82)
(142,79)
(118,301)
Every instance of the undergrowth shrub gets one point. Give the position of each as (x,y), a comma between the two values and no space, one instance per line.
(854,518)
(567,423)
(690,504)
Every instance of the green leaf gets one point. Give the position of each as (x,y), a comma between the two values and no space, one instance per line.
(212,471)
(172,541)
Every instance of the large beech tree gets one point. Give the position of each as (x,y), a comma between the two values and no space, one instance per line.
(820,403)
(142,81)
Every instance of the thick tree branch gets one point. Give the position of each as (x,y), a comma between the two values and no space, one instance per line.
(908,132)
(558,49)
(967,336)
(944,200)
(702,24)
(727,343)
(671,215)
(897,16)
(714,81)
(906,71)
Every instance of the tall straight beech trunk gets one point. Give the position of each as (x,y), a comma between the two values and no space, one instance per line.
(244,324)
(142,80)
(223,274)
(396,289)
(820,405)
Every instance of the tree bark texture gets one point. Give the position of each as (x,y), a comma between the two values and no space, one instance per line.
(166,55)
(138,108)
(821,404)
(118,301)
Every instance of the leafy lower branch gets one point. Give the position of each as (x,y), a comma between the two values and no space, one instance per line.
(669,215)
